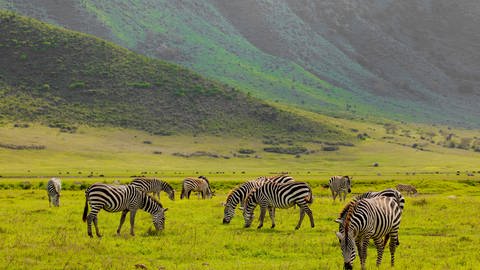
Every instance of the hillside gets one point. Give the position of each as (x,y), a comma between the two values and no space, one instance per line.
(406,60)
(64,78)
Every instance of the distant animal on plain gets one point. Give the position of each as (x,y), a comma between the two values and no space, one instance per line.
(200,185)
(340,184)
(54,186)
(154,185)
(409,189)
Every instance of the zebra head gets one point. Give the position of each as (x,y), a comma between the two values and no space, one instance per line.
(347,244)
(159,219)
(248,207)
(228,213)
(349,183)
(171,195)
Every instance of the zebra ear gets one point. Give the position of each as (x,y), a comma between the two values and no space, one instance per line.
(339,235)
(165,209)
(338,220)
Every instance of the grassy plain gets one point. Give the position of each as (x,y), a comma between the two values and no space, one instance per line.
(439,229)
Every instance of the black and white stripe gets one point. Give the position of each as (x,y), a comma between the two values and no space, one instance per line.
(123,198)
(54,186)
(154,185)
(409,189)
(273,195)
(374,218)
(340,184)
(200,185)
(238,195)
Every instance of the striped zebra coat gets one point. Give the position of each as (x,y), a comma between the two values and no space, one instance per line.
(375,218)
(154,185)
(200,185)
(340,184)
(54,186)
(238,195)
(409,189)
(273,195)
(124,198)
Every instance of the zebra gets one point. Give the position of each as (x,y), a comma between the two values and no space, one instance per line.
(54,186)
(123,198)
(273,195)
(392,193)
(377,218)
(154,185)
(409,189)
(200,184)
(238,195)
(340,184)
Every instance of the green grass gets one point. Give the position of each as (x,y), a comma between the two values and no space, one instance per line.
(438,230)
(442,218)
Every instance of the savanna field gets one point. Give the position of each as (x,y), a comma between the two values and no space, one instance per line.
(439,230)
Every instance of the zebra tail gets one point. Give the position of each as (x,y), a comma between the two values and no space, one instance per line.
(85,210)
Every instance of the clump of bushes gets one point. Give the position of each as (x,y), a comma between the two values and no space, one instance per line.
(246,151)
(291,150)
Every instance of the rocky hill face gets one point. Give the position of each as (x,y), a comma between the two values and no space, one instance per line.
(402,59)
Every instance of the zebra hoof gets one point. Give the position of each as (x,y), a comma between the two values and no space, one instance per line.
(296,228)
(259,226)
(273,226)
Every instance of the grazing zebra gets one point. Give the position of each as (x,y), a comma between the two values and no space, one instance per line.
(54,186)
(238,195)
(340,184)
(273,195)
(123,198)
(154,185)
(409,189)
(377,218)
(200,184)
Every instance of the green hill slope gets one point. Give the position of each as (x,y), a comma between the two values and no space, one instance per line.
(64,78)
(392,59)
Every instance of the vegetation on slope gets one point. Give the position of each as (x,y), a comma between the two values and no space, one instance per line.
(61,78)
(395,59)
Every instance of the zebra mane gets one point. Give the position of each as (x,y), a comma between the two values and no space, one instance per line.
(349,210)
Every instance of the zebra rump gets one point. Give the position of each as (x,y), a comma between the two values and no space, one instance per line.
(54,186)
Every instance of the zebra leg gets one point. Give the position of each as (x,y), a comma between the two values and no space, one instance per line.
(334,195)
(393,244)
(122,220)
(380,247)
(310,215)
(132,221)
(271,212)
(263,211)
(363,253)
(89,225)
(302,214)
(95,222)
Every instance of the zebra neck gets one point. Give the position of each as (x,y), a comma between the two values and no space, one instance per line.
(149,204)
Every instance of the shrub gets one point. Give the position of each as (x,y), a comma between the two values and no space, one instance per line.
(293,150)
(246,151)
